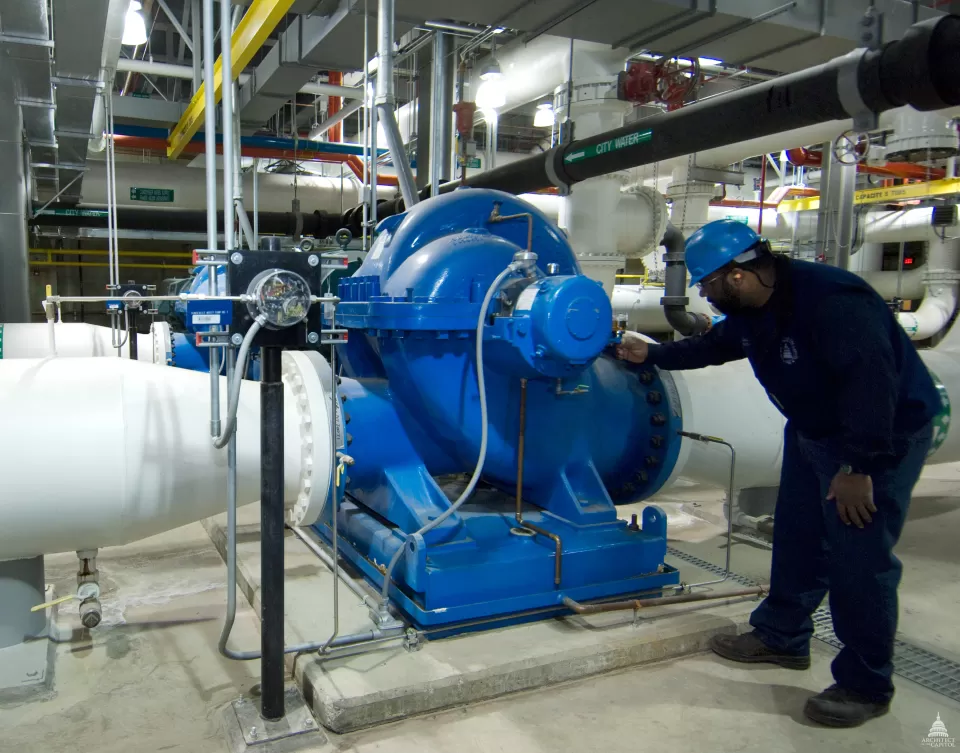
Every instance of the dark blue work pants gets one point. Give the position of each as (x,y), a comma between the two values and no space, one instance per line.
(814,552)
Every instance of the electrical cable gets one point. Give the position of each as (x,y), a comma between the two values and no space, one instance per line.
(233,401)
(484,431)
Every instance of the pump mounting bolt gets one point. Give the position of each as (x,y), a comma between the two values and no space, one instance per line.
(236,338)
(654,397)
(658,419)
(652,460)
(236,257)
(313,260)
(313,338)
(656,440)
(646,377)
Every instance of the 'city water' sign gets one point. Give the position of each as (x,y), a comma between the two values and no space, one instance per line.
(605,147)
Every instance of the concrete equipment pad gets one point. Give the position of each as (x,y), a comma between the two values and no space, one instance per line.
(389,683)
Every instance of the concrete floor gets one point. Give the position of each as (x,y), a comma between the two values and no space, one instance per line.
(150,678)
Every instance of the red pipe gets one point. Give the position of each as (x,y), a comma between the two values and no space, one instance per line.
(335,134)
(807,158)
(148,144)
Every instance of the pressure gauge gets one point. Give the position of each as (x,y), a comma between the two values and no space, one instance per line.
(282,297)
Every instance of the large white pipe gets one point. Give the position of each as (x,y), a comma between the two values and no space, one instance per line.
(275,191)
(728,402)
(104,451)
(74,340)
(170,70)
(910,286)
(534,69)
(641,305)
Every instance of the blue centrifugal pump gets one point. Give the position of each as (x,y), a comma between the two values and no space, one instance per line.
(477,351)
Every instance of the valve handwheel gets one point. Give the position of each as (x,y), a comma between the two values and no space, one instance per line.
(851,147)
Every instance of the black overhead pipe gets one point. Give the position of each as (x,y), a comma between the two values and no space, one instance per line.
(675,299)
(922,70)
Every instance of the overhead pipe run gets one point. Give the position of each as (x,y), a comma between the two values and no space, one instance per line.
(185,72)
(920,70)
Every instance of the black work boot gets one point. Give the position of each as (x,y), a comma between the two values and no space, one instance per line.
(748,648)
(839,707)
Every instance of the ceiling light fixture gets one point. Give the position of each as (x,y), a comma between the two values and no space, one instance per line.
(545,117)
(491,94)
(134,27)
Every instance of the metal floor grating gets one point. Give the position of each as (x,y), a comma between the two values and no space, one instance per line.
(911,662)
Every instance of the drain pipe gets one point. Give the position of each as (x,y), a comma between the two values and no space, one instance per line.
(675,300)
(638,604)
(386,104)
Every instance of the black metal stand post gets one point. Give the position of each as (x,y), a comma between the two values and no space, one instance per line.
(271,535)
(132,332)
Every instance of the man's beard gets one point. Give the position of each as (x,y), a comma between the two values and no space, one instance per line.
(728,302)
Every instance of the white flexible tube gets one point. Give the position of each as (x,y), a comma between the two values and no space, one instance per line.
(233,401)
(484,432)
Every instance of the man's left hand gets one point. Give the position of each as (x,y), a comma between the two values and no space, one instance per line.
(853,494)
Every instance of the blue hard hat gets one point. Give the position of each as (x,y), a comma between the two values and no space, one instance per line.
(716,244)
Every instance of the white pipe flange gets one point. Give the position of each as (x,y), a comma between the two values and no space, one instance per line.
(315,454)
(162,343)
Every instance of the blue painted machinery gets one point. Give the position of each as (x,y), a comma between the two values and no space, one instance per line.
(580,430)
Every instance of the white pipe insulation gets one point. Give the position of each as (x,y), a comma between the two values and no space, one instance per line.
(275,190)
(73,340)
(104,451)
(940,296)
(728,402)
(641,306)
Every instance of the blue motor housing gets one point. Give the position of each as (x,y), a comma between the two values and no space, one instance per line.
(597,431)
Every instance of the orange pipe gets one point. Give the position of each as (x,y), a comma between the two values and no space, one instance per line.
(744,204)
(805,157)
(335,134)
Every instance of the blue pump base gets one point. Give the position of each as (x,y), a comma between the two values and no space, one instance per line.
(506,573)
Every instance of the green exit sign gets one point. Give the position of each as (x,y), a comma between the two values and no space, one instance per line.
(162,195)
(473,163)
(744,218)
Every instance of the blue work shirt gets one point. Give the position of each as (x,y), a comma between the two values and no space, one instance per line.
(831,356)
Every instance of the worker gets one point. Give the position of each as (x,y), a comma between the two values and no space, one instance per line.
(859,405)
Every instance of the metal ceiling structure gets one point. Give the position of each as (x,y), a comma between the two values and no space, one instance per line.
(56,58)
(56,70)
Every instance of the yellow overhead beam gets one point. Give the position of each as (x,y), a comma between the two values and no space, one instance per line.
(105,264)
(104,252)
(256,25)
(887,195)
